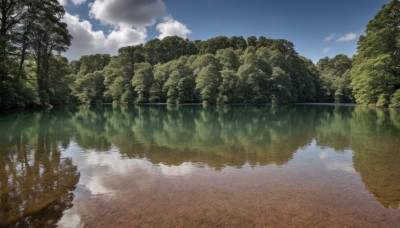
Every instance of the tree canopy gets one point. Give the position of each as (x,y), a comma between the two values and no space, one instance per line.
(376,71)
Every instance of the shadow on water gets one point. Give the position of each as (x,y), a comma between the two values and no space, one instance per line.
(36,179)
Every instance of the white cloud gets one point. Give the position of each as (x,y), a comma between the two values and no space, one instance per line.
(347,37)
(326,50)
(63,2)
(78,2)
(171,27)
(137,13)
(329,38)
(128,20)
(88,41)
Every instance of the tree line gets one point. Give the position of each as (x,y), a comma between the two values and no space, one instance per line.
(220,70)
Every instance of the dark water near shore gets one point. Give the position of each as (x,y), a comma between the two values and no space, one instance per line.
(299,165)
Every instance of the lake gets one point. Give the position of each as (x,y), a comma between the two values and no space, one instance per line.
(236,166)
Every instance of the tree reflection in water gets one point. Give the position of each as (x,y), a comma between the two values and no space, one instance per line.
(36,178)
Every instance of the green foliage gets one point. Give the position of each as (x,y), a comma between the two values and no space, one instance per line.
(281,87)
(92,63)
(228,88)
(180,84)
(61,81)
(228,59)
(142,81)
(212,45)
(170,48)
(89,83)
(376,72)
(263,73)
(207,83)
(237,42)
(15,94)
(335,79)
(254,76)
(32,30)
(48,34)
(372,80)
(395,100)
(90,88)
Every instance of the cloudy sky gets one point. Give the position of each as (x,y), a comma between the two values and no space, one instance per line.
(318,28)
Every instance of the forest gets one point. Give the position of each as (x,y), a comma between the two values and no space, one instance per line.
(220,70)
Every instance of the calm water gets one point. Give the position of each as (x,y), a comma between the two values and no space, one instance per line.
(191,166)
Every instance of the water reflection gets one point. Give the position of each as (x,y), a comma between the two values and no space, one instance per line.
(35,179)
(373,135)
(229,136)
(126,154)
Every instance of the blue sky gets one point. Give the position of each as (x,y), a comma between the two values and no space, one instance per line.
(318,28)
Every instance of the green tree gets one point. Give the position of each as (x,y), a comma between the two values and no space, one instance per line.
(117,80)
(335,79)
(228,59)
(228,88)
(142,81)
(252,41)
(48,35)
(211,46)
(237,42)
(61,81)
(376,71)
(254,76)
(373,81)
(90,88)
(207,83)
(89,82)
(180,84)
(119,72)
(281,87)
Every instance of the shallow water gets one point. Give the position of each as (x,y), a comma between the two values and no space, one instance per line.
(243,166)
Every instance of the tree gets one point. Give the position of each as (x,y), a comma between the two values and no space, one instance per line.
(254,77)
(92,63)
(281,87)
(142,81)
(119,72)
(90,88)
(89,82)
(228,59)
(161,75)
(207,83)
(228,87)
(211,46)
(180,84)
(237,42)
(263,42)
(11,14)
(115,81)
(373,81)
(61,81)
(376,72)
(335,79)
(252,41)
(48,35)
(153,51)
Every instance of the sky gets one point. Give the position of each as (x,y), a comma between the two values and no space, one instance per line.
(318,28)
